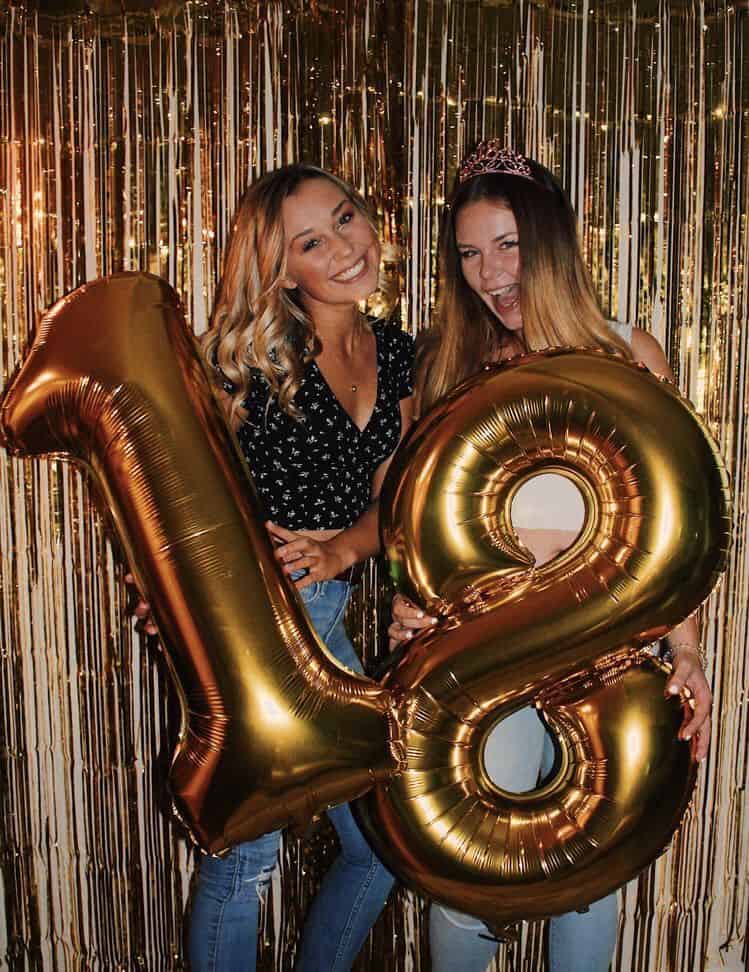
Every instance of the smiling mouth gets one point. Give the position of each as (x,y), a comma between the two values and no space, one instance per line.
(505,297)
(352,273)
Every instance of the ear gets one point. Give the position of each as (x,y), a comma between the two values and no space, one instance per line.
(287,283)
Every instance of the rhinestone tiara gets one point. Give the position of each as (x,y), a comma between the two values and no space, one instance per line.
(492,157)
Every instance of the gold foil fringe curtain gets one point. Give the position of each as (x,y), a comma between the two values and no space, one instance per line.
(126,140)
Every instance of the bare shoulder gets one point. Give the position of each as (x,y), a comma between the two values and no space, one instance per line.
(645,348)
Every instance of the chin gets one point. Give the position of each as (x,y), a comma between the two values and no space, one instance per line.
(513,324)
(510,322)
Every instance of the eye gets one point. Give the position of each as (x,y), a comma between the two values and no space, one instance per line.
(345,217)
(309,244)
(467,254)
(508,244)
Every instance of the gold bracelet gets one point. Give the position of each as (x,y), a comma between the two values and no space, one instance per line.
(673,649)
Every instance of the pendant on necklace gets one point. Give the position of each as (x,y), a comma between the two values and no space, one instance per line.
(353,389)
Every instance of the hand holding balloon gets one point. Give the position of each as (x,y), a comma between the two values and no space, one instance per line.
(689,674)
(142,609)
(408,619)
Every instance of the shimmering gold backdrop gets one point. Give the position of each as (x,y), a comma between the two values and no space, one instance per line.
(125,142)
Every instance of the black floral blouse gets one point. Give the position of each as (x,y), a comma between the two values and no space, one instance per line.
(315,473)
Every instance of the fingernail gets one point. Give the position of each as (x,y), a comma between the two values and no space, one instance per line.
(673,689)
(419,614)
(687,736)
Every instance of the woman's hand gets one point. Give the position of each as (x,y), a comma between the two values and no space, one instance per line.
(688,673)
(142,610)
(296,551)
(408,618)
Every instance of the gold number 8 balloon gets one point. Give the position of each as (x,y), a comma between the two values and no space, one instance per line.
(568,637)
(274,731)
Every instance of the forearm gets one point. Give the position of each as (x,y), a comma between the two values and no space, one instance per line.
(360,540)
(689,673)
(685,638)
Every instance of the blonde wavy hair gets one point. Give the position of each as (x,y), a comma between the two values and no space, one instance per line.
(558,303)
(256,321)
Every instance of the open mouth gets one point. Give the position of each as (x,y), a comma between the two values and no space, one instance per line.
(506,298)
(353,272)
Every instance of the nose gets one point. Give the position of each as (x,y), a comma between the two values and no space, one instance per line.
(493,265)
(490,267)
(343,248)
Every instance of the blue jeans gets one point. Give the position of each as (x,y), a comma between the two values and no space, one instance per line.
(518,751)
(223,927)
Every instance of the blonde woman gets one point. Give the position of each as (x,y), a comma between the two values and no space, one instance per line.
(513,280)
(319,396)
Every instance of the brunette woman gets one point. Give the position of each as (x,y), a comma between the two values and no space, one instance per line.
(513,280)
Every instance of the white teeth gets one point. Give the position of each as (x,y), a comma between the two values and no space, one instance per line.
(351,272)
(503,291)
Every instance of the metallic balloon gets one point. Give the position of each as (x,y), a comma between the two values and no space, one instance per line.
(567,637)
(273,730)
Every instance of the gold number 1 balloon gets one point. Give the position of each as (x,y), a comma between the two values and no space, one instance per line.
(566,637)
(273,730)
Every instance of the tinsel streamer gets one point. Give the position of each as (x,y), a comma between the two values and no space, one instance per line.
(128,132)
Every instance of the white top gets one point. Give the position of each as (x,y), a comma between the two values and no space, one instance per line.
(623,329)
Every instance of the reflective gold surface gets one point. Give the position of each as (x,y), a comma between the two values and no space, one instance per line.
(567,637)
(273,731)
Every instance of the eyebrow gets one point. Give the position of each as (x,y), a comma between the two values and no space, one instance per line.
(502,236)
(332,213)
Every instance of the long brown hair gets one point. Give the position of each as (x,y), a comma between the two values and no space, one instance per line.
(558,304)
(256,321)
